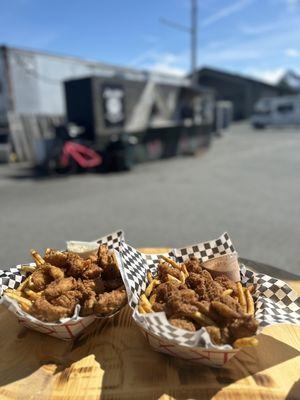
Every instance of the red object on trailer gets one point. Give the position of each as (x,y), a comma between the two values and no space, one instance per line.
(83,155)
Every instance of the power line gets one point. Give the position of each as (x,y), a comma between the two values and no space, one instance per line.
(192,31)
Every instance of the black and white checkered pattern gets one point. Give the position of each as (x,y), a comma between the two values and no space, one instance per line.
(11,278)
(113,240)
(275,301)
(207,250)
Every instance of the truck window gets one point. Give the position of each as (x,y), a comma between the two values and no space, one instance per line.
(285,108)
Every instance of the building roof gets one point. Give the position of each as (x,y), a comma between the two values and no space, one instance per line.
(126,72)
(233,76)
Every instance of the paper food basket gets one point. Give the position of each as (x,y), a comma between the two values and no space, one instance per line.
(275,302)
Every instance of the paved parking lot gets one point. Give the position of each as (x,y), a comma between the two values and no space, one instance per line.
(248,184)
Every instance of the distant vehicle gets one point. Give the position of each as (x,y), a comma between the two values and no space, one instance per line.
(276,111)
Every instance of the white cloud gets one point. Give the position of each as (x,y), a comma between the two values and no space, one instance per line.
(294,53)
(269,75)
(166,62)
(226,12)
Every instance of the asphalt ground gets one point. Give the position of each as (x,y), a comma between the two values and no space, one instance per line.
(247,183)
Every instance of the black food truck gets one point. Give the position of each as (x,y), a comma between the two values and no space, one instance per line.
(130,120)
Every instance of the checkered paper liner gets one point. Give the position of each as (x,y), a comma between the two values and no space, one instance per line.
(67,328)
(275,302)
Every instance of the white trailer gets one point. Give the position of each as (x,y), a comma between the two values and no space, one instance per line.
(277,111)
(31,82)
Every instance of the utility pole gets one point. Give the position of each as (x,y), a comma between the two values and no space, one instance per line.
(192,31)
(194,40)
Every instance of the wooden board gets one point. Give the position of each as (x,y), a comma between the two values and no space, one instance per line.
(112,361)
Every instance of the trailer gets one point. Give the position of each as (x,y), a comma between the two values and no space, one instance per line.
(166,119)
(35,91)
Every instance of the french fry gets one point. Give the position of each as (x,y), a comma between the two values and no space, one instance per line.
(27,268)
(172,278)
(31,294)
(24,303)
(227,292)
(151,286)
(185,271)
(202,319)
(149,276)
(23,284)
(250,288)
(224,310)
(171,262)
(250,302)
(37,257)
(141,309)
(115,258)
(153,298)
(241,296)
(245,342)
(182,276)
(145,303)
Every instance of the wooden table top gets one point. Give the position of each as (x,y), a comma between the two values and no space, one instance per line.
(113,361)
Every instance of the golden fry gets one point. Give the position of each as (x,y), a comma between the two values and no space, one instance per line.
(245,342)
(146,303)
(23,284)
(115,258)
(172,278)
(171,262)
(250,288)
(185,271)
(151,286)
(153,298)
(250,302)
(21,300)
(182,276)
(141,310)
(27,268)
(149,276)
(241,296)
(31,294)
(202,319)
(37,257)
(224,310)
(227,292)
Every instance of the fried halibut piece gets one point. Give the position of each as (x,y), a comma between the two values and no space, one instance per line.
(164,290)
(110,270)
(56,258)
(243,327)
(45,311)
(59,287)
(89,289)
(80,267)
(43,275)
(180,303)
(193,265)
(183,324)
(226,283)
(107,303)
(164,269)
(218,336)
(204,285)
(91,270)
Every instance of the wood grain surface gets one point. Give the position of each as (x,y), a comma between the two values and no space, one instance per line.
(113,361)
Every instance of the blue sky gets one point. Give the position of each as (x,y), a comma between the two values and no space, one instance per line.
(252,37)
